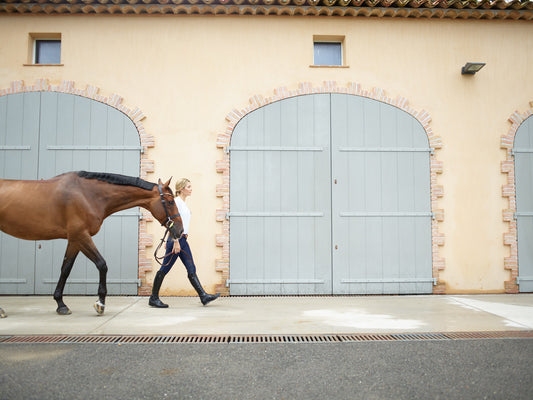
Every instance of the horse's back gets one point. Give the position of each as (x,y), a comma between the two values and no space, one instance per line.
(26,182)
(30,209)
(22,190)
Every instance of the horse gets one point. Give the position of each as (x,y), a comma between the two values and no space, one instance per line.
(73,206)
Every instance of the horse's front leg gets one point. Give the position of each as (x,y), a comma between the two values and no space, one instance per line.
(68,261)
(2,313)
(89,249)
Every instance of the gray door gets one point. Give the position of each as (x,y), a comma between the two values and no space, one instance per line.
(280,233)
(381,199)
(19,142)
(523,154)
(73,133)
(330,194)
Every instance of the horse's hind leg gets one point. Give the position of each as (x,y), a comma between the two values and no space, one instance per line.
(68,261)
(89,249)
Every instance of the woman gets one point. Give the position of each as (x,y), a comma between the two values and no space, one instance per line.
(180,248)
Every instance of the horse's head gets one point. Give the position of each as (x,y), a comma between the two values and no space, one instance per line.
(164,209)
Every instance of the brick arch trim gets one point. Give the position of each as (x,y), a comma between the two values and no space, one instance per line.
(147,140)
(510,238)
(258,101)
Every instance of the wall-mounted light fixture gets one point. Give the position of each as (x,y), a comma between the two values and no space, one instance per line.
(471,68)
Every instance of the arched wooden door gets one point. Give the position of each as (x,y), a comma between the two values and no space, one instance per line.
(329,194)
(46,134)
(523,154)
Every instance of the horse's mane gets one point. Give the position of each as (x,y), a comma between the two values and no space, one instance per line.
(117,179)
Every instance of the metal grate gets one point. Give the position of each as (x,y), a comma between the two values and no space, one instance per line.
(340,338)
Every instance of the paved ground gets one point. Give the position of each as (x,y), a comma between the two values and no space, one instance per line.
(411,369)
(456,369)
(270,315)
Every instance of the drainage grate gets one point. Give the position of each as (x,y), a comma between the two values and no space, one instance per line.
(340,338)
(285,339)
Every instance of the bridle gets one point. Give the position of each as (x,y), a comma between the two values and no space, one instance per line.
(168,224)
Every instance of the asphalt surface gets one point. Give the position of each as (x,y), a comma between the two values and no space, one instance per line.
(454,369)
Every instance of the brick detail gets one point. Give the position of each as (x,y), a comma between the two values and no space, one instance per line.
(510,238)
(306,88)
(147,140)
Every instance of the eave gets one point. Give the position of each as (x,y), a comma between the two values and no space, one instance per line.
(436,9)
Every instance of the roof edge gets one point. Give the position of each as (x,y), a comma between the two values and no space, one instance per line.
(432,9)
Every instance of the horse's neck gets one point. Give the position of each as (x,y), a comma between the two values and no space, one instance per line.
(124,197)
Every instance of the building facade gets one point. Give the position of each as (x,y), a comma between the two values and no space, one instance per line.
(335,147)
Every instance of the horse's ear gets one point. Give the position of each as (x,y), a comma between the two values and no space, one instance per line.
(159,182)
(168,182)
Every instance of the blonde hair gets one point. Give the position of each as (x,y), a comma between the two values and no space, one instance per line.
(180,185)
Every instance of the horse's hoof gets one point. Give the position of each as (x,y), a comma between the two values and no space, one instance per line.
(2,313)
(63,310)
(99,307)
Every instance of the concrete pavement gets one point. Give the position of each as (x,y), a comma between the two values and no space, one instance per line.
(131,315)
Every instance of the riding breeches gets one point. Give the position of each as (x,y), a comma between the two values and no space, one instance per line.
(185,255)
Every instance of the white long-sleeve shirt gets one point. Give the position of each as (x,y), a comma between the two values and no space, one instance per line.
(185,214)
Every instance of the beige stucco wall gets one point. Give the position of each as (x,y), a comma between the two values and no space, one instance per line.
(186,73)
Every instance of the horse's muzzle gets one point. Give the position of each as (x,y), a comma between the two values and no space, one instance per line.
(174,232)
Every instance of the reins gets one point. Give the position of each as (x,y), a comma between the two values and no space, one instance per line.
(158,258)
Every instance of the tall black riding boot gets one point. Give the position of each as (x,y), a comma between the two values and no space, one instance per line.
(154,298)
(204,297)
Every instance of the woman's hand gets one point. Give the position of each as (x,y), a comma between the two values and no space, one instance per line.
(176,248)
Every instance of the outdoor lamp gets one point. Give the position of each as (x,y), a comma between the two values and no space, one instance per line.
(471,68)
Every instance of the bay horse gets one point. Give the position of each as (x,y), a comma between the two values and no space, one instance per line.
(73,206)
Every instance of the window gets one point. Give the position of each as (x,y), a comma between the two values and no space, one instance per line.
(327,53)
(44,49)
(47,51)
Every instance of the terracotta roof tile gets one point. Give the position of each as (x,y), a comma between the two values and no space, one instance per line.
(454,9)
